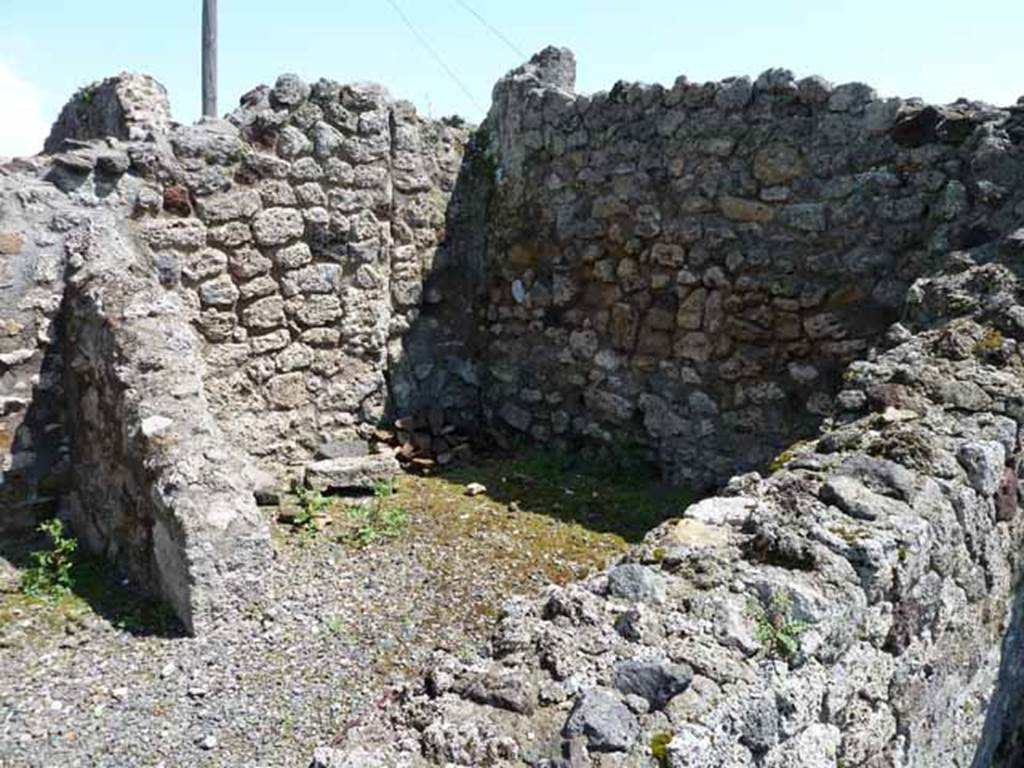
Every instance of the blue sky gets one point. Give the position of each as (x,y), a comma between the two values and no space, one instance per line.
(938,50)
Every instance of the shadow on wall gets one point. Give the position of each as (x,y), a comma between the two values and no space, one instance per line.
(1002,738)
(689,269)
(38,473)
(439,363)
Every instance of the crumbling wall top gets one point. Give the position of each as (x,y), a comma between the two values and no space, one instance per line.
(126,106)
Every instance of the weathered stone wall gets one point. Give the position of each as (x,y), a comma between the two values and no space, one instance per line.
(300,236)
(127,106)
(158,490)
(236,290)
(894,537)
(33,458)
(105,418)
(690,268)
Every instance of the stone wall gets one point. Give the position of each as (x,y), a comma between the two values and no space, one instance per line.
(685,269)
(127,106)
(33,452)
(690,268)
(105,420)
(158,490)
(238,297)
(300,235)
(885,552)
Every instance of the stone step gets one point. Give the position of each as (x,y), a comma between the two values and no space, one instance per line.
(343,449)
(351,473)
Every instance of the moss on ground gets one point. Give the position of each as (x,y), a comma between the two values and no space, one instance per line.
(990,342)
(96,590)
(545,518)
(780,461)
(621,496)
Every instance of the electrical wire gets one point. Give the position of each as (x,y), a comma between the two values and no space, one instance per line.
(494,30)
(435,55)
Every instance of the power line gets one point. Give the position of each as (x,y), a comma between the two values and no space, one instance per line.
(494,30)
(436,56)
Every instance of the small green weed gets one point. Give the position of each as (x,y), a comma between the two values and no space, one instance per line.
(777,631)
(335,626)
(393,522)
(312,507)
(50,573)
(786,456)
(379,519)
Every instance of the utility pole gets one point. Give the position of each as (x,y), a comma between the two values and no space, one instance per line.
(209,58)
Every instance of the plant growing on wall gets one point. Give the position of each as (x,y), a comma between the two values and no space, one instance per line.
(776,629)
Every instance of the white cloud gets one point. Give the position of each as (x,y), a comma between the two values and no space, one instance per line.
(24,125)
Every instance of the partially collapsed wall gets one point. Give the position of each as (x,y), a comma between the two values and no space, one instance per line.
(217,306)
(159,491)
(860,606)
(193,315)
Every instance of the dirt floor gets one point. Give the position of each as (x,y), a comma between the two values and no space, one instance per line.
(359,597)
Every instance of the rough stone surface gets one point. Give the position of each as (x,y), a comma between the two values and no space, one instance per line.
(601,717)
(690,269)
(657,682)
(127,106)
(351,472)
(885,535)
(181,520)
(892,535)
(703,273)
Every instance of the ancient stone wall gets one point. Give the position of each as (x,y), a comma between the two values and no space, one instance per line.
(200,297)
(300,236)
(859,607)
(105,419)
(33,458)
(158,490)
(127,106)
(690,268)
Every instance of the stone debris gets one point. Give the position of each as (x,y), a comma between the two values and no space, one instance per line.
(425,441)
(604,721)
(476,489)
